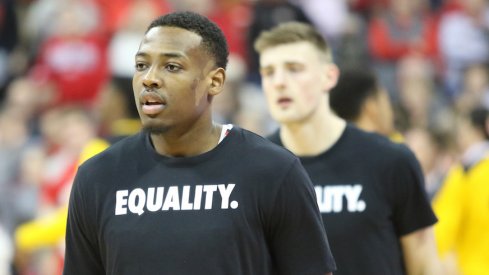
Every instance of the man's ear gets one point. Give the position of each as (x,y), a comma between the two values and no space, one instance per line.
(370,107)
(332,73)
(217,78)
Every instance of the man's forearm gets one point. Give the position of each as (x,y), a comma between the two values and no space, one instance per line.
(420,255)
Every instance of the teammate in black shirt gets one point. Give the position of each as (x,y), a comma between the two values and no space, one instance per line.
(186,195)
(359,98)
(370,191)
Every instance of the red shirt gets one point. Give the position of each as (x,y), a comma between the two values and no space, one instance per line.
(391,39)
(77,66)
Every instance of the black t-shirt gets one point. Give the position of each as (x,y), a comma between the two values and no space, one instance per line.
(245,207)
(370,192)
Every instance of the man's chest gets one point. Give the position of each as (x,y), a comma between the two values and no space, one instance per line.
(351,197)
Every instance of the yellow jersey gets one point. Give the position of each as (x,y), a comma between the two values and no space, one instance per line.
(49,230)
(462,207)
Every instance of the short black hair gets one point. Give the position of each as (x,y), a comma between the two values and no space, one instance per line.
(123,86)
(213,38)
(354,87)
(478,118)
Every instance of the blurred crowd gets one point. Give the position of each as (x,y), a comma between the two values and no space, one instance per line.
(66,89)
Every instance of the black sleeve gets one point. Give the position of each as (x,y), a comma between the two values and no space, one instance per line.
(297,238)
(82,255)
(412,208)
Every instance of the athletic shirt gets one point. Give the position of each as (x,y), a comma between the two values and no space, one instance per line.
(245,207)
(462,204)
(370,193)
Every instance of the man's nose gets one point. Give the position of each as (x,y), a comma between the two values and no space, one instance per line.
(279,79)
(152,79)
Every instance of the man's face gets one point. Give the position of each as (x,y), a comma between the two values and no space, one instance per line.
(384,116)
(171,80)
(294,80)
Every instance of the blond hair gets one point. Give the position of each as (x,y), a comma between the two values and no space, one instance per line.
(293,32)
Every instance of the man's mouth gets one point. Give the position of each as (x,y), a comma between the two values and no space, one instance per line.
(152,103)
(284,101)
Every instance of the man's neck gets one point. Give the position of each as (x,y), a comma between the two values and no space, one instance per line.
(365,123)
(314,136)
(193,142)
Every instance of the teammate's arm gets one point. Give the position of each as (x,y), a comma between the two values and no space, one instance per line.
(420,254)
(413,215)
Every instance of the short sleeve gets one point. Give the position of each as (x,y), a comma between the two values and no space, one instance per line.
(412,209)
(82,255)
(296,234)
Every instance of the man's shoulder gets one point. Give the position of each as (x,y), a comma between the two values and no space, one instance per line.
(374,149)
(115,153)
(378,143)
(275,137)
(264,149)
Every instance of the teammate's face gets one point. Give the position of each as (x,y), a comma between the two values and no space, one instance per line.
(295,81)
(172,78)
(384,117)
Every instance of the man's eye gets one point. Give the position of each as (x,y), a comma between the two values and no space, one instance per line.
(140,66)
(172,68)
(266,72)
(295,68)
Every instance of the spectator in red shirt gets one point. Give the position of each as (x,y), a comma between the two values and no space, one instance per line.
(73,58)
(403,29)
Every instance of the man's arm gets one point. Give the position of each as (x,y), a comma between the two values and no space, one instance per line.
(296,236)
(413,216)
(420,254)
(81,254)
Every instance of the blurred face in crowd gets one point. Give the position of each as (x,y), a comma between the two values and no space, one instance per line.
(295,79)
(406,7)
(476,79)
(473,7)
(466,134)
(423,146)
(172,79)
(76,130)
